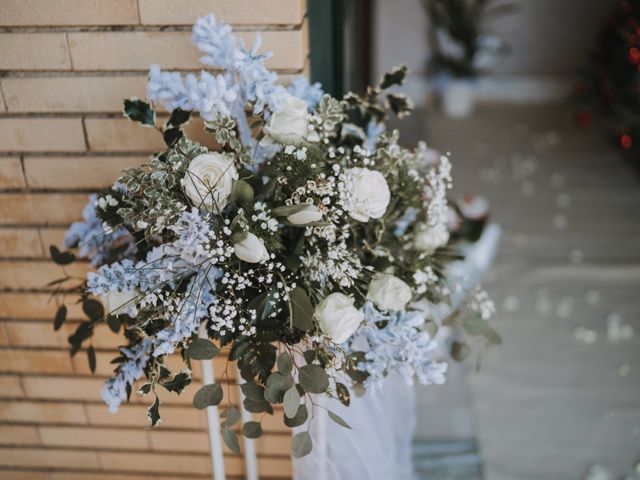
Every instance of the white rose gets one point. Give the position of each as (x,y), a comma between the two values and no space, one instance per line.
(338,318)
(117,303)
(209,180)
(289,126)
(251,249)
(369,194)
(428,239)
(389,292)
(309,214)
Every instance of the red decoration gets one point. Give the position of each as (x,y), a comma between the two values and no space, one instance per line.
(582,117)
(626,141)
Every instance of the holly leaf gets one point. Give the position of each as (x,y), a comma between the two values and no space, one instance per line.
(139,111)
(154,412)
(395,77)
(301,444)
(179,382)
(208,395)
(61,316)
(171,136)
(313,379)
(178,117)
(202,349)
(61,258)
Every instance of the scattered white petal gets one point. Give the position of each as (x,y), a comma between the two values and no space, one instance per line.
(563,200)
(560,221)
(586,335)
(510,303)
(593,297)
(576,256)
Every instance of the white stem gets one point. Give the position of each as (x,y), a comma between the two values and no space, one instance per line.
(215,443)
(250,456)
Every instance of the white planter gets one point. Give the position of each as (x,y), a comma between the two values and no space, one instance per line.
(458,98)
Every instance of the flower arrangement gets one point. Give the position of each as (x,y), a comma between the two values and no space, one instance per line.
(308,244)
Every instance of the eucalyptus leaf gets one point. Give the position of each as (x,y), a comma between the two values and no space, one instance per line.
(91,356)
(93,309)
(252,391)
(285,363)
(208,395)
(301,444)
(202,349)
(277,384)
(257,406)
(302,309)
(231,416)
(231,440)
(338,419)
(300,417)
(313,379)
(61,258)
(287,210)
(291,402)
(114,323)
(252,430)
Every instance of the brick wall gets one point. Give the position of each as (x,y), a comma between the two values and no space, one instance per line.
(65,66)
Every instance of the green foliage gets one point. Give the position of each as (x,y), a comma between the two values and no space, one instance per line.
(301,309)
(291,402)
(179,382)
(61,258)
(153,412)
(301,444)
(208,396)
(139,111)
(61,316)
(252,430)
(313,379)
(338,419)
(202,349)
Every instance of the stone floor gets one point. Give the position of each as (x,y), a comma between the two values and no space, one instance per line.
(562,394)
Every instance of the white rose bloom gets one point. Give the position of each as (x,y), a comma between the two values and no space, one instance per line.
(388,292)
(289,126)
(209,180)
(428,239)
(369,194)
(338,318)
(251,250)
(309,214)
(117,303)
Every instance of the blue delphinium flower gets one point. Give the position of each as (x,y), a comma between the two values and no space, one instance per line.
(396,344)
(309,92)
(94,242)
(114,391)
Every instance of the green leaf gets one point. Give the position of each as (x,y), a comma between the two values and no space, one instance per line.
(257,406)
(301,444)
(139,111)
(243,192)
(460,351)
(93,309)
(153,412)
(208,395)
(114,323)
(394,77)
(291,402)
(252,430)
(313,379)
(338,419)
(399,104)
(302,309)
(178,117)
(285,364)
(300,417)
(171,136)
(145,389)
(477,326)
(179,382)
(343,394)
(202,349)
(61,316)
(61,258)
(287,210)
(91,356)
(277,384)
(231,416)
(252,391)
(231,440)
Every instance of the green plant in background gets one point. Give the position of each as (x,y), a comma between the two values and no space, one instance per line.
(456,37)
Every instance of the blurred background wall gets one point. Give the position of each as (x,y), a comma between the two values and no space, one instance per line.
(548,41)
(65,67)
